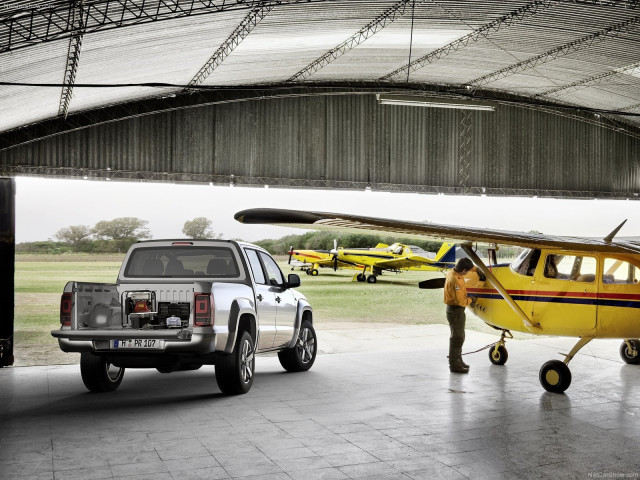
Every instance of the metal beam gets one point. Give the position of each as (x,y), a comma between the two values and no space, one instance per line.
(465,133)
(581,83)
(240,33)
(73,58)
(527,322)
(221,95)
(103,174)
(387,17)
(7,268)
(52,20)
(482,32)
(557,52)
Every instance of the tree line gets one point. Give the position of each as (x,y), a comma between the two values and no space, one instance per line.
(117,235)
(109,236)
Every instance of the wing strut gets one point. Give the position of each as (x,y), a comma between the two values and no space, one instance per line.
(535,328)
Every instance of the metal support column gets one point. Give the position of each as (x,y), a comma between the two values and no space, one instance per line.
(464,151)
(7,268)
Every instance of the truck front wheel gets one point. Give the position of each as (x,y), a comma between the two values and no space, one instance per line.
(234,372)
(300,358)
(98,374)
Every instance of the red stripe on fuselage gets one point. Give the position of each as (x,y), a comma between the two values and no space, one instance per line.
(545,293)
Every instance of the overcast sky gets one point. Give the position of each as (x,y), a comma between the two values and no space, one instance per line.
(44,206)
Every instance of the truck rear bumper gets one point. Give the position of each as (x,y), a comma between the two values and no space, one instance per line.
(172,341)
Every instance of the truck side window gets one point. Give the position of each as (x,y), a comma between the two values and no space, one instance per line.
(273,271)
(620,272)
(256,266)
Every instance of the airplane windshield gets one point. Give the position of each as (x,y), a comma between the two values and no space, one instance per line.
(526,262)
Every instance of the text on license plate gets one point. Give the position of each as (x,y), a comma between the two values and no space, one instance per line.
(138,343)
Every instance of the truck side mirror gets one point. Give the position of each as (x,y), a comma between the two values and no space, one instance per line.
(293,281)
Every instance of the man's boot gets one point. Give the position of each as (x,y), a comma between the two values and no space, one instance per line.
(456,365)
(458,368)
(464,364)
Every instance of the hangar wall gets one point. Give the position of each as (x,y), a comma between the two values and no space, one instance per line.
(348,141)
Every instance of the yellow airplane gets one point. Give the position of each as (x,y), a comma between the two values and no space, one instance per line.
(312,260)
(565,286)
(394,257)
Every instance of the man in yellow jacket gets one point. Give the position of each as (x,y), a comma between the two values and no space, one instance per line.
(455,296)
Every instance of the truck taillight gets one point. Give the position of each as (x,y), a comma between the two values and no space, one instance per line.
(66,302)
(203,307)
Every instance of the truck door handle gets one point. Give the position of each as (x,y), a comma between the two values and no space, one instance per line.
(259,297)
(278,299)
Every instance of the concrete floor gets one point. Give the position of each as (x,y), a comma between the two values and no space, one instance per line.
(378,404)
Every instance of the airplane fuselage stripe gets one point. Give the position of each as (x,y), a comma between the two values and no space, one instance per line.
(580,298)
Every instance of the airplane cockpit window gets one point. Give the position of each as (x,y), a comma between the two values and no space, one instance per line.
(620,272)
(551,265)
(526,262)
(570,267)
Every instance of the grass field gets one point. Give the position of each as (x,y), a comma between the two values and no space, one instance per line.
(395,298)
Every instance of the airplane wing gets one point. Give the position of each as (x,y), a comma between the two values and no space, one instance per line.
(319,220)
(412,262)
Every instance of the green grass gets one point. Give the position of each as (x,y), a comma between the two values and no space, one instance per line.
(39,281)
(395,298)
(335,297)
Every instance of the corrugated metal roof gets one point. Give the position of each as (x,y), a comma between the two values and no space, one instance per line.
(122,41)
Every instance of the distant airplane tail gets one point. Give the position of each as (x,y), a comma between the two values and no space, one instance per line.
(446,254)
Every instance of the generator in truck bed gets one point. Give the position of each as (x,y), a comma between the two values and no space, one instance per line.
(178,305)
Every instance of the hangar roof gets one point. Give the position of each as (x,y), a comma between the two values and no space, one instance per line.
(59,58)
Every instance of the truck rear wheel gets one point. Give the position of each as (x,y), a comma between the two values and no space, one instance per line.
(300,358)
(98,374)
(234,372)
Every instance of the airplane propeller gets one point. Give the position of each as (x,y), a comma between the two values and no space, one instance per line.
(432,284)
(334,252)
(290,254)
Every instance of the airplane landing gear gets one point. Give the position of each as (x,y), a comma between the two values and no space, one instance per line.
(555,375)
(360,277)
(629,351)
(372,279)
(498,354)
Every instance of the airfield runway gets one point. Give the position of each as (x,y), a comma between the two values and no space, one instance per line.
(379,403)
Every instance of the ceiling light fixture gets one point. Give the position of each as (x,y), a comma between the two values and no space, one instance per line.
(415,101)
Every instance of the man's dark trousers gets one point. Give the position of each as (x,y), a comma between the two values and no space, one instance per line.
(456,319)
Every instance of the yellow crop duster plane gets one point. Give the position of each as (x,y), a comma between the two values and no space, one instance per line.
(394,257)
(566,286)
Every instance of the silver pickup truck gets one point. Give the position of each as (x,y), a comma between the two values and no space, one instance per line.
(178,305)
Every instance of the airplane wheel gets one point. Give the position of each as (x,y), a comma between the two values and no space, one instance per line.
(498,357)
(372,279)
(627,354)
(361,277)
(313,272)
(555,376)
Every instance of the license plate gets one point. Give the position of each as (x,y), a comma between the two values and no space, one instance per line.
(143,343)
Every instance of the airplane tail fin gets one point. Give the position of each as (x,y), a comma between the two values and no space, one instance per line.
(447,253)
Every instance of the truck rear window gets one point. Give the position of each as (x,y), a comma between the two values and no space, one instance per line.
(182,262)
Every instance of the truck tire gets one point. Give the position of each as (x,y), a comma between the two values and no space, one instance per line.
(234,372)
(98,375)
(300,358)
